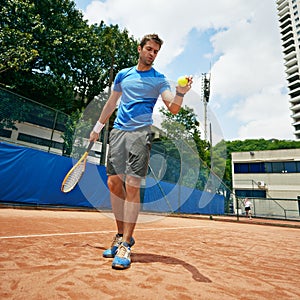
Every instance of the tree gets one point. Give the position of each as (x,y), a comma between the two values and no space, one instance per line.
(186,153)
(112,49)
(71,62)
(19,24)
(185,125)
(46,78)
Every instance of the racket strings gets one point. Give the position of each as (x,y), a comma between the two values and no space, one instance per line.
(74,177)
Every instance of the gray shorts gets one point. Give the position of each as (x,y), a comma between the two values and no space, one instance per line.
(129,152)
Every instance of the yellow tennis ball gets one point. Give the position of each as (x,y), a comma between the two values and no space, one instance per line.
(182,81)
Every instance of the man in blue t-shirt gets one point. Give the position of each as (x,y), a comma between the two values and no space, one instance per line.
(130,140)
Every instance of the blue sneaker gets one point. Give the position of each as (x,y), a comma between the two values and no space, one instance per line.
(111,252)
(122,258)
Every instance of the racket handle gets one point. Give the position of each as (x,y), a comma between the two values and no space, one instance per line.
(90,146)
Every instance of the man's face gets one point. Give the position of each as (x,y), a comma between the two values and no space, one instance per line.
(149,52)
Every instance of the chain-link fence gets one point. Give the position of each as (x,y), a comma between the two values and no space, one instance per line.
(26,122)
(32,124)
(270,208)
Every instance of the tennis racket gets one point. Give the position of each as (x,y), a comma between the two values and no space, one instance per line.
(75,174)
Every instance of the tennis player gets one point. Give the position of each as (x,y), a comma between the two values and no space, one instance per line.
(138,89)
(248,205)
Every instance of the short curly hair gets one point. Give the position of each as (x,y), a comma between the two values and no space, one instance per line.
(154,37)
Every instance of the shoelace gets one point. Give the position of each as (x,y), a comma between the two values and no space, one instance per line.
(116,241)
(123,252)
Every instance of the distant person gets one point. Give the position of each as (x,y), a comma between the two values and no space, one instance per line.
(248,205)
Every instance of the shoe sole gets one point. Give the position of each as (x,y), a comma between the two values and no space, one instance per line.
(120,267)
(108,256)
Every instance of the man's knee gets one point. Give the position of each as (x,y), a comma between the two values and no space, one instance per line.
(133,184)
(115,183)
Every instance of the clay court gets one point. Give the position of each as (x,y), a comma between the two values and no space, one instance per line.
(47,254)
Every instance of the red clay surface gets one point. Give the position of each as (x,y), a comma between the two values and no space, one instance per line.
(58,255)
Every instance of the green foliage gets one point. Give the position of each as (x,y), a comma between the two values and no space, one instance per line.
(219,160)
(19,25)
(260,144)
(184,147)
(68,135)
(184,123)
(51,55)
(185,126)
(79,125)
(12,111)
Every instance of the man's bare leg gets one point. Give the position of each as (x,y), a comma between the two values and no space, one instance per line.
(131,206)
(117,198)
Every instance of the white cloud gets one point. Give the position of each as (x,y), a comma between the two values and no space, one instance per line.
(247,59)
(266,129)
(172,19)
(265,114)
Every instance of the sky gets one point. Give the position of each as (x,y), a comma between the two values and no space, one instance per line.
(236,42)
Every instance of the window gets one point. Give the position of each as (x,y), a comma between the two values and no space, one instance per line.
(5,133)
(39,141)
(268,167)
(251,193)
(256,168)
(249,168)
(241,168)
(290,167)
(277,167)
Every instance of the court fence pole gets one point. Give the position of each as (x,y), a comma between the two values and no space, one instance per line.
(237,209)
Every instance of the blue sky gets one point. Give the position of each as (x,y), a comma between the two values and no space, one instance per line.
(237,41)
(199,47)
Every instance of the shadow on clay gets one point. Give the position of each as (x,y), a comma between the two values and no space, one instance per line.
(152,258)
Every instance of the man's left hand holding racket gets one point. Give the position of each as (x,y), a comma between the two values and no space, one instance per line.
(76,172)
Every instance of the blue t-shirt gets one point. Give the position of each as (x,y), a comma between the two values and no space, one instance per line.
(140,90)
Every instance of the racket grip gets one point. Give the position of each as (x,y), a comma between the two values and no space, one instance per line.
(90,146)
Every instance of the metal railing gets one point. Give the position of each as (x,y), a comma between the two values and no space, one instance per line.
(288,209)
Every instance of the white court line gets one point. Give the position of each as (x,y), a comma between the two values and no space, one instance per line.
(92,232)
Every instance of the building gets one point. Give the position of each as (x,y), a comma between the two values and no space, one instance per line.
(289,23)
(268,177)
(267,174)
